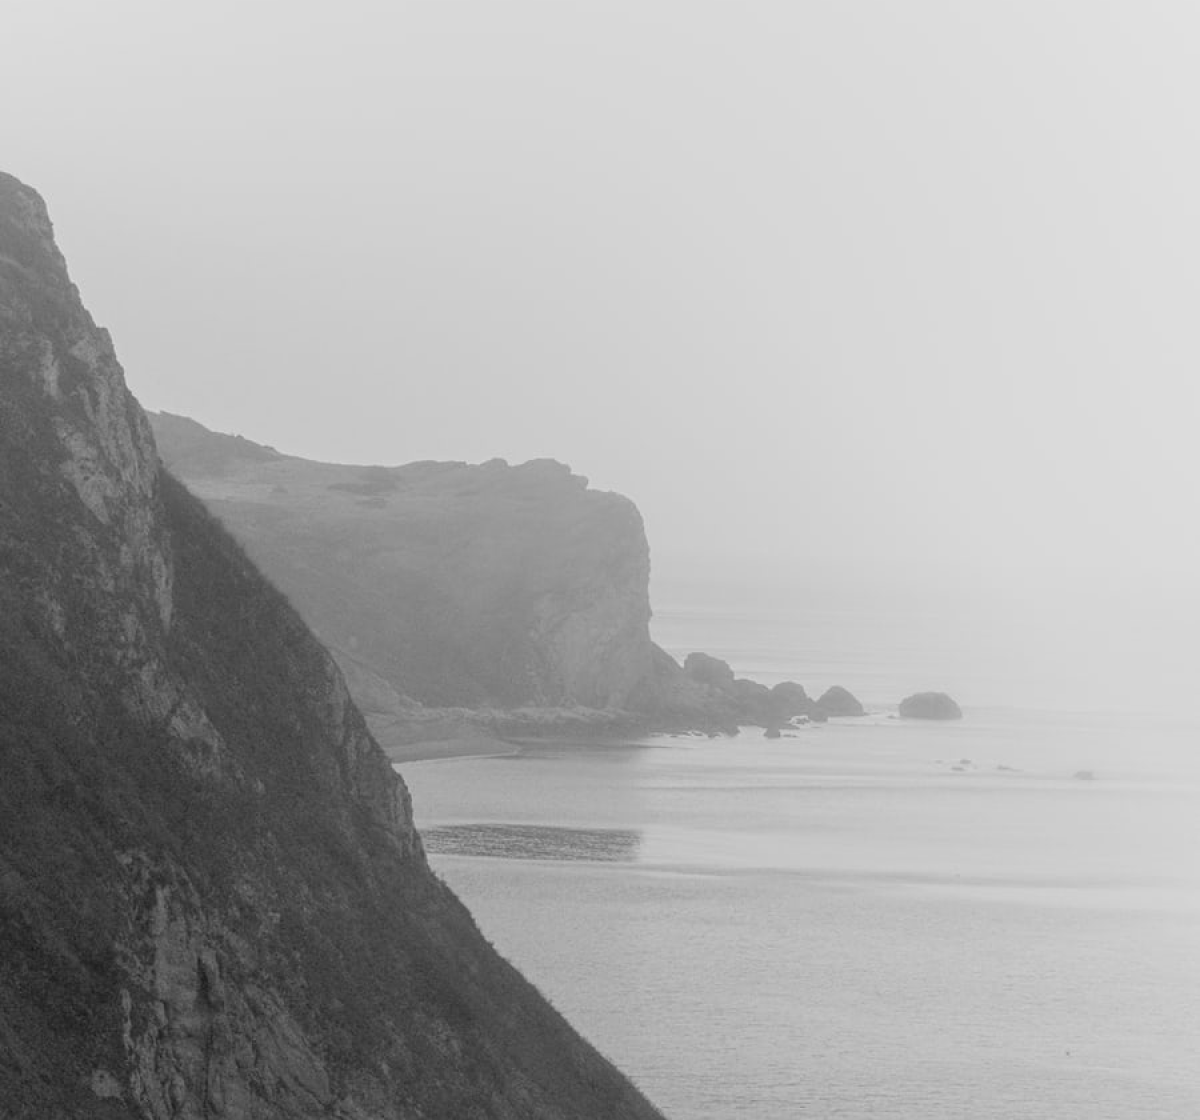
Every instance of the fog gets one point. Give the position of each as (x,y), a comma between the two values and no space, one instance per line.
(872,295)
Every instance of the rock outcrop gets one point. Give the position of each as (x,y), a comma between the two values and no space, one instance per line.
(463,599)
(489,586)
(788,700)
(929,705)
(749,702)
(213,901)
(709,671)
(838,701)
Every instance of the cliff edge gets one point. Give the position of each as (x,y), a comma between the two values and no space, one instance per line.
(213,901)
(443,584)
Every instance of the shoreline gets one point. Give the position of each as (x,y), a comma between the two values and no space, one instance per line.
(440,750)
(486,746)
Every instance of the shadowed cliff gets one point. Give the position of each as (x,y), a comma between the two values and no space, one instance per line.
(212,898)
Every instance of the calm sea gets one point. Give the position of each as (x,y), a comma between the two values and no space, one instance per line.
(998,918)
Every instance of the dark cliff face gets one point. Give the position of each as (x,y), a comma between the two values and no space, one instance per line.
(488,585)
(212,898)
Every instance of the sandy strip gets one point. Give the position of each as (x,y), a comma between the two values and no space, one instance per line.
(480,746)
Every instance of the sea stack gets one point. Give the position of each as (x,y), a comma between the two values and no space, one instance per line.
(838,701)
(929,705)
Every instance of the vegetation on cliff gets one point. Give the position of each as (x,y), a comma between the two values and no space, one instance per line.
(212,898)
(446,584)
(460,598)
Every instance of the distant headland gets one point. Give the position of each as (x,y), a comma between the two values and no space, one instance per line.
(469,602)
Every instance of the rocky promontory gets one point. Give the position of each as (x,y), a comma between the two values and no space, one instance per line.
(464,600)
(459,585)
(213,901)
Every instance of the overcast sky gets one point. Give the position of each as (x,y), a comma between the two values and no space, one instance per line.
(856,287)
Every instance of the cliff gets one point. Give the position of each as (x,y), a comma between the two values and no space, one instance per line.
(212,898)
(456,585)
(459,598)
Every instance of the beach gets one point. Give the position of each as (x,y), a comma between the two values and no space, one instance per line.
(430,750)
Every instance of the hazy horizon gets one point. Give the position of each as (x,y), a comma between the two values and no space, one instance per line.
(873,295)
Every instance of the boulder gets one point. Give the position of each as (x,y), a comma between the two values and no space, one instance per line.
(788,699)
(929,705)
(838,701)
(753,701)
(712,671)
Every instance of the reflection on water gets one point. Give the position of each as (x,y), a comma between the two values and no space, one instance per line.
(530,841)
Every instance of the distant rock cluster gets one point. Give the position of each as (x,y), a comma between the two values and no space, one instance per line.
(487,599)
(749,702)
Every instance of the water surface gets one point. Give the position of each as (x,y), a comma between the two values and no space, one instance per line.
(871,919)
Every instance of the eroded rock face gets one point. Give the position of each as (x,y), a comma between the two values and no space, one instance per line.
(65,390)
(458,585)
(929,705)
(213,901)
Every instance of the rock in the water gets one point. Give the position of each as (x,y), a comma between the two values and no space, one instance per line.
(712,671)
(751,693)
(772,733)
(838,701)
(788,699)
(929,705)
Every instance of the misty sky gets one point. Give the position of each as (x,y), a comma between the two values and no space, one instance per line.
(843,288)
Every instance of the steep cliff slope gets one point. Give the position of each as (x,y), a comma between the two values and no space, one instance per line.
(489,585)
(212,898)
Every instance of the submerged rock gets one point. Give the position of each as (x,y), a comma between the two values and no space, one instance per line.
(929,705)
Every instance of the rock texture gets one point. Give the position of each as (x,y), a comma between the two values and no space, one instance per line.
(929,705)
(749,702)
(709,671)
(455,585)
(838,701)
(212,898)
(459,600)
